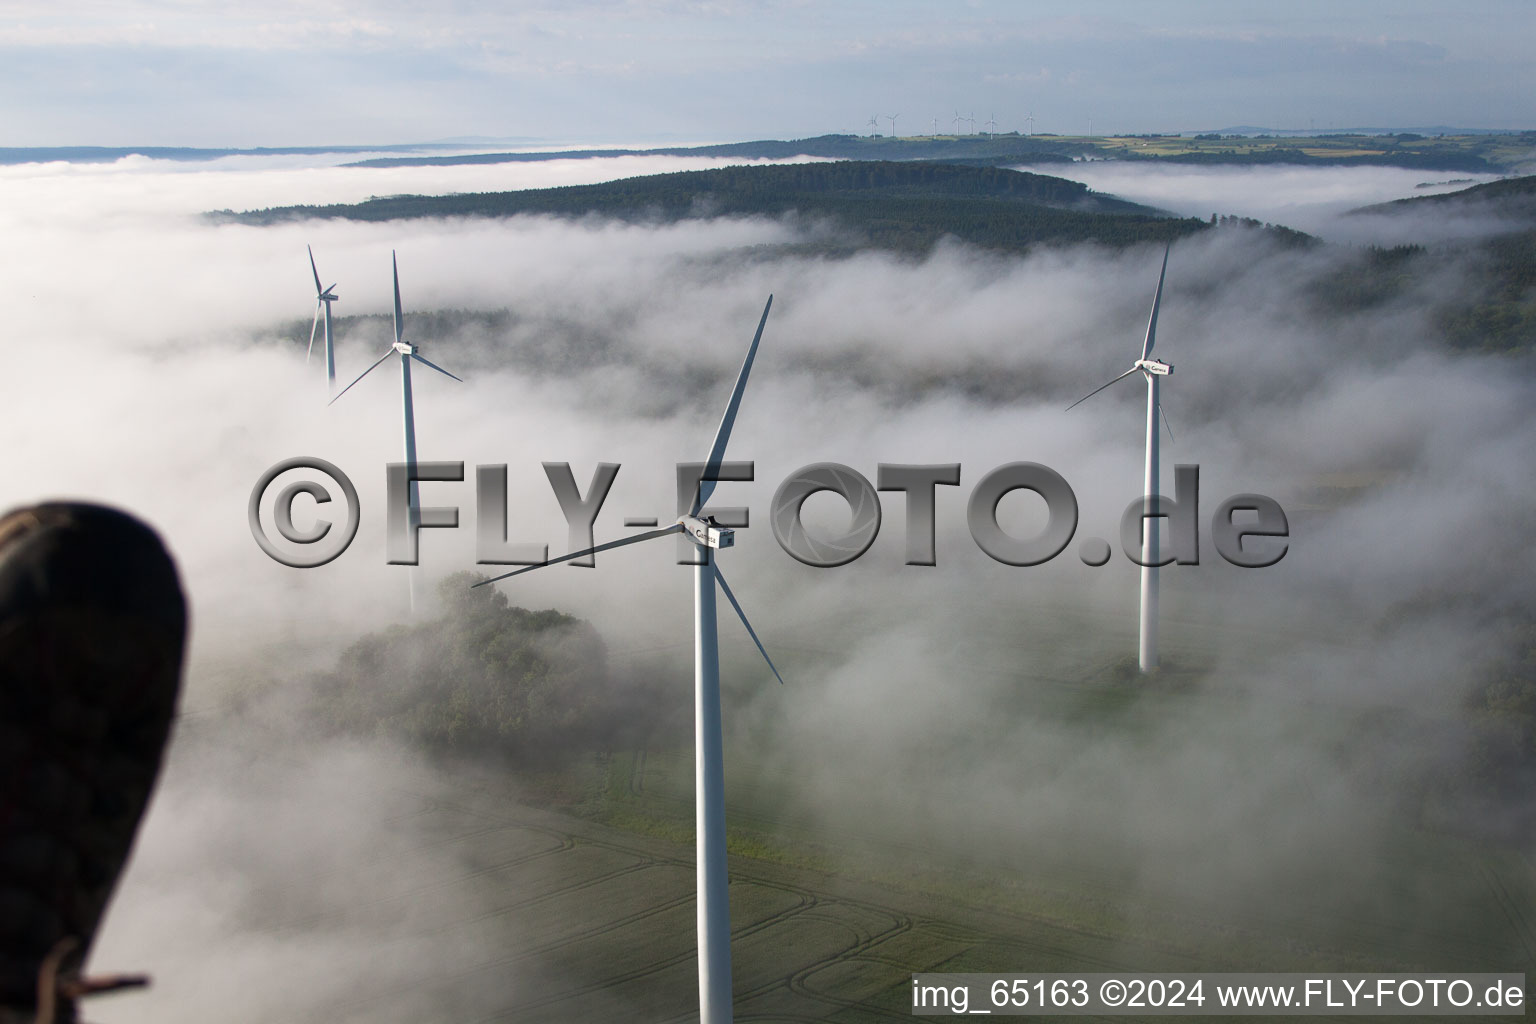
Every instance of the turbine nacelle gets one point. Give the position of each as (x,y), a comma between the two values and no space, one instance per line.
(405,348)
(1153,366)
(329,295)
(707,533)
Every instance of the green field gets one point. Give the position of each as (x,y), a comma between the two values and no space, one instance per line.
(584,921)
(1449,152)
(582,885)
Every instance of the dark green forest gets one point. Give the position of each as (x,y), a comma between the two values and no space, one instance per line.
(485,678)
(901,207)
(1497,310)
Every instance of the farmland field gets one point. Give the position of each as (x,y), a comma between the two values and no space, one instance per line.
(571,897)
(581,921)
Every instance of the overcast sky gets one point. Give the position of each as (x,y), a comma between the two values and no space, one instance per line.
(284,72)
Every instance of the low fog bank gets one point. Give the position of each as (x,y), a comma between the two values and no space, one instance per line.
(1312,710)
(1307,199)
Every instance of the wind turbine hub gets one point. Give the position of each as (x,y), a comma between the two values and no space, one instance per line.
(708,533)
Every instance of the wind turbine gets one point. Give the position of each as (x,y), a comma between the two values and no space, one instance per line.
(893,118)
(971,121)
(1029,123)
(873,124)
(935,126)
(714,916)
(992,125)
(958,119)
(406,351)
(1154,371)
(323,299)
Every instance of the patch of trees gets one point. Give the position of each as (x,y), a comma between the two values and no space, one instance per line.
(1289,237)
(1495,314)
(484,678)
(1503,317)
(1502,766)
(1378,275)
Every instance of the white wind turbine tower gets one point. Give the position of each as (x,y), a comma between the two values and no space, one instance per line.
(714,918)
(323,299)
(892,118)
(1153,371)
(406,351)
(992,125)
(935,126)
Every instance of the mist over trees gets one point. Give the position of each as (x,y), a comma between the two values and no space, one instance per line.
(902,207)
(484,677)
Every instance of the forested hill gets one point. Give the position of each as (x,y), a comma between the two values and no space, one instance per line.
(891,205)
(977,149)
(1512,198)
(1496,309)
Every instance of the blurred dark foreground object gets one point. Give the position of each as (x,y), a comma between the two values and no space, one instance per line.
(92,625)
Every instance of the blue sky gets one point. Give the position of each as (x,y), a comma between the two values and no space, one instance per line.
(188,72)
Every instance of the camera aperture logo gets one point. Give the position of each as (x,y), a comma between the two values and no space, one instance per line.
(1247,530)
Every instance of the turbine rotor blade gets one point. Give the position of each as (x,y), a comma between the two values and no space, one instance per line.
(439,369)
(399,316)
(723,435)
(360,376)
(312,270)
(312,327)
(1101,387)
(1146,346)
(636,539)
(726,589)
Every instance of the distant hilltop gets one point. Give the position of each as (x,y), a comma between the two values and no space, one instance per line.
(900,206)
(1470,151)
(1484,153)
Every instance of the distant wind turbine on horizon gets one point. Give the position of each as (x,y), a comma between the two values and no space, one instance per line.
(893,118)
(406,351)
(323,299)
(873,124)
(714,918)
(1154,371)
